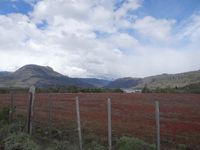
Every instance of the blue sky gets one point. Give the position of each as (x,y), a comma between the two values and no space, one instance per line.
(19,6)
(101,38)
(169,9)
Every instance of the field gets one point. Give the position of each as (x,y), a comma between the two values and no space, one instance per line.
(132,114)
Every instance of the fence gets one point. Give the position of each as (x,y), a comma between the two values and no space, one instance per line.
(122,114)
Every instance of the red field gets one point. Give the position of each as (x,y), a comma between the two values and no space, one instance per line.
(132,114)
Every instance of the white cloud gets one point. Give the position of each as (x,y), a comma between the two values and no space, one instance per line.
(15,29)
(154,29)
(123,40)
(191,29)
(48,9)
(70,45)
(102,19)
(127,6)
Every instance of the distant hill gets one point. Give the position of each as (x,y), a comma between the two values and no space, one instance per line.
(42,76)
(171,80)
(99,83)
(124,82)
(158,81)
(192,88)
(4,73)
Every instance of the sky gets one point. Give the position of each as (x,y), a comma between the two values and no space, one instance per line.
(105,39)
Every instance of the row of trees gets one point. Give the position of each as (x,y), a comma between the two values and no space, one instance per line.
(75,89)
(192,88)
(62,89)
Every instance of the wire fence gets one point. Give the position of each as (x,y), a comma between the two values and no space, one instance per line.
(112,115)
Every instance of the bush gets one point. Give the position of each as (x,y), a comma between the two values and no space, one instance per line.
(181,147)
(16,127)
(6,129)
(126,143)
(95,146)
(64,145)
(146,89)
(4,132)
(4,115)
(20,141)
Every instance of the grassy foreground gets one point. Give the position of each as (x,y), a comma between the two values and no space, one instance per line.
(14,137)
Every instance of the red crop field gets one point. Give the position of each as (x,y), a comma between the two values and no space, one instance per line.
(132,114)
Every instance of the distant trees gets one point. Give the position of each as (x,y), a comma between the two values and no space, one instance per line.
(192,88)
(146,89)
(75,89)
(8,90)
(4,91)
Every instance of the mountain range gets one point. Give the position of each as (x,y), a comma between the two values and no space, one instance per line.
(159,81)
(44,76)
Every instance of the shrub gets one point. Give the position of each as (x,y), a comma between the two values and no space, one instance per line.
(181,147)
(4,114)
(4,132)
(146,89)
(95,146)
(6,129)
(20,141)
(16,127)
(64,145)
(126,143)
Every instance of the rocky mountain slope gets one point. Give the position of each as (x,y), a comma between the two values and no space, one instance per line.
(124,82)
(158,81)
(41,76)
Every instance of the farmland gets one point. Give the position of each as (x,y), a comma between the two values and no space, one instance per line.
(132,114)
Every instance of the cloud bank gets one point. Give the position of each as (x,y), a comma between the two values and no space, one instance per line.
(98,38)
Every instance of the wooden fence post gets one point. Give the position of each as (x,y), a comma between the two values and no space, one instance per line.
(30,109)
(50,114)
(109,125)
(11,107)
(157,115)
(79,123)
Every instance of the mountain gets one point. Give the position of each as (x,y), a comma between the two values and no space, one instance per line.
(99,83)
(192,88)
(158,81)
(39,76)
(171,80)
(127,82)
(4,73)
(44,76)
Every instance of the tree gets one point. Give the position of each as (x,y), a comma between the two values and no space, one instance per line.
(145,89)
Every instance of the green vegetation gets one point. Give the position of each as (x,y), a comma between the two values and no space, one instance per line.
(128,143)
(63,146)
(13,137)
(4,90)
(8,90)
(181,147)
(4,115)
(20,141)
(146,89)
(75,89)
(63,89)
(192,88)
